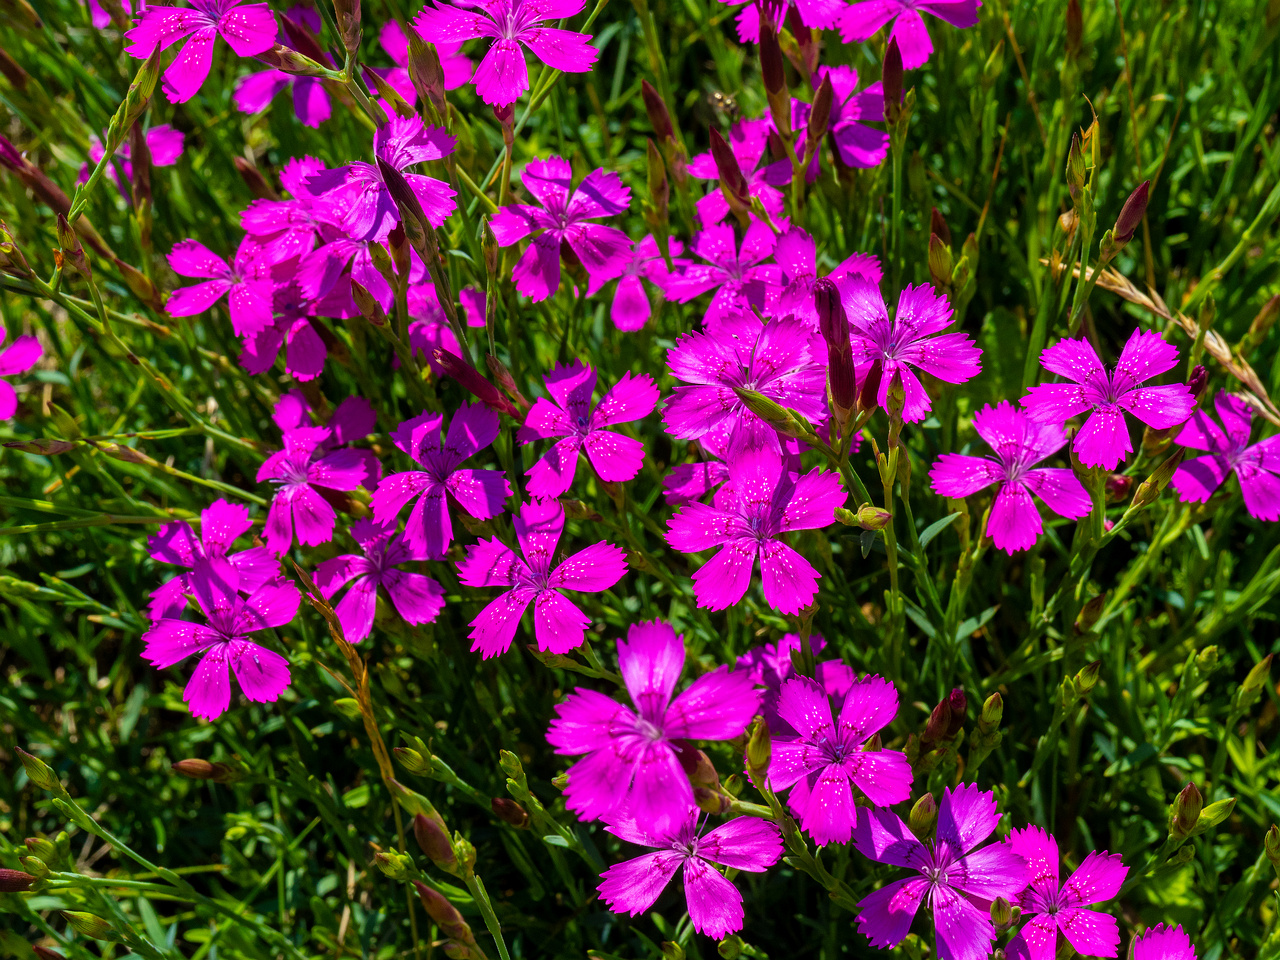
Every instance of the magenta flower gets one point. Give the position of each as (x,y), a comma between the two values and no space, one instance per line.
(177,544)
(630,309)
(502,76)
(416,597)
(568,414)
(304,351)
(1019,443)
(1163,943)
(255,91)
(826,759)
(563,219)
(366,210)
(248,291)
(958,882)
(907,342)
(778,359)
(263,674)
(164,147)
(99,17)
(766,501)
(1103,441)
(481,493)
(558,625)
(19,357)
(457,68)
(714,903)
(739,277)
(1257,467)
(770,665)
(817,14)
(1053,909)
(797,255)
(863,19)
(306,472)
(857,145)
(631,765)
(249,30)
(749,141)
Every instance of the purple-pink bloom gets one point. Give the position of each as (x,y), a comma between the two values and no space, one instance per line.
(307,472)
(568,414)
(816,14)
(502,75)
(304,351)
(862,20)
(826,759)
(99,17)
(714,903)
(1103,441)
(249,292)
(563,218)
(739,276)
(558,625)
(631,765)
(481,493)
(255,91)
(764,503)
(457,68)
(1055,909)
(366,210)
(1019,443)
(1257,467)
(416,597)
(797,255)
(749,141)
(958,882)
(263,674)
(912,340)
(778,359)
(857,145)
(1163,943)
(18,357)
(630,309)
(249,30)
(164,147)
(177,544)
(770,665)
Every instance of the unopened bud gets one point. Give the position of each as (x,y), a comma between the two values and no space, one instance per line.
(938,225)
(72,251)
(1117,487)
(1001,913)
(44,953)
(504,379)
(1260,327)
(412,761)
(1075,28)
(412,216)
(39,772)
(992,712)
(291,61)
(659,187)
(508,811)
(1185,812)
(1271,844)
(510,765)
(869,390)
(819,116)
(196,769)
(1075,167)
(346,14)
(41,446)
(1213,814)
(767,409)
(35,866)
(394,866)
(711,801)
(774,75)
(1090,613)
(434,842)
(87,925)
(1258,676)
(254,180)
(891,79)
(730,947)
(732,183)
(672,950)
(427,74)
(1198,382)
(489,245)
(696,765)
(444,913)
(834,324)
(659,116)
(759,751)
(873,518)
(368,304)
(923,819)
(42,848)
(470,379)
(560,781)
(937,725)
(940,261)
(1131,214)
(959,705)
(15,881)
(1152,487)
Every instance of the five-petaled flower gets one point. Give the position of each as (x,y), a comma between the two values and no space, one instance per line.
(248,289)
(861,21)
(1019,443)
(362,200)
(714,903)
(177,544)
(912,340)
(1257,467)
(749,141)
(631,765)
(18,357)
(558,624)
(482,493)
(765,501)
(416,597)
(857,144)
(1054,909)
(564,217)
(502,75)
(1103,441)
(568,414)
(1163,943)
(263,674)
(827,758)
(958,881)
(249,30)
(738,274)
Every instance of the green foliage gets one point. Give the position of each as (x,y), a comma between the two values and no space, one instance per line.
(1120,658)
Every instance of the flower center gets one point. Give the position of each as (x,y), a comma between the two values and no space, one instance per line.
(648,729)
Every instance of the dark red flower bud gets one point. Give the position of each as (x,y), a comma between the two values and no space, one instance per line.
(834,324)
(869,391)
(1131,214)
(433,841)
(254,180)
(1118,487)
(1198,382)
(959,705)
(467,375)
(731,179)
(659,117)
(938,225)
(1075,28)
(508,811)
(15,881)
(819,116)
(891,75)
